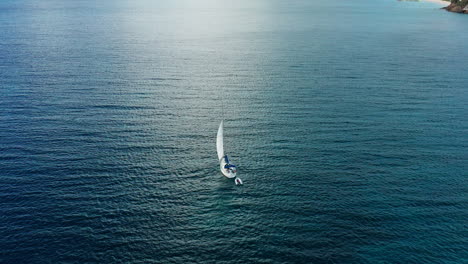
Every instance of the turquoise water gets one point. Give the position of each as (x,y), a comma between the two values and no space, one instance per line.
(347,120)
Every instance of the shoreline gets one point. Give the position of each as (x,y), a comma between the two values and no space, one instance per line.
(441,2)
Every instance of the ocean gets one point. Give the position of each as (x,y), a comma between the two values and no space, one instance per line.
(348,122)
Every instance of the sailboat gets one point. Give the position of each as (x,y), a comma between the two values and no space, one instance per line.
(227,169)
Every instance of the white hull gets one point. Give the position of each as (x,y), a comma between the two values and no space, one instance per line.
(225,172)
(238,181)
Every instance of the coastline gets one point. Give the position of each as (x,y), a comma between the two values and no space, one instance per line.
(441,2)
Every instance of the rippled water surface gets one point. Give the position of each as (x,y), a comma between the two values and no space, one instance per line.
(348,121)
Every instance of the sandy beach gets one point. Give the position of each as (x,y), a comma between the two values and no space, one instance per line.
(445,3)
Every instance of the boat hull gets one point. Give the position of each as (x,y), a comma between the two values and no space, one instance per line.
(225,172)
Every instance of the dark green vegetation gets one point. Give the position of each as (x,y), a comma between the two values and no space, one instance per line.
(458,6)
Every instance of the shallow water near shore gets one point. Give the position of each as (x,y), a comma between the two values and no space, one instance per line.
(347,120)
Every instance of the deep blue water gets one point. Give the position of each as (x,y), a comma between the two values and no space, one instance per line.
(348,121)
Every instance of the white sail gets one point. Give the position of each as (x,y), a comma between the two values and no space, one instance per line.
(219,141)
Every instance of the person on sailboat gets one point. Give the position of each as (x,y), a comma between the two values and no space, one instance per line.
(231,168)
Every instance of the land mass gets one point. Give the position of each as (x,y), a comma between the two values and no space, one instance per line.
(458,6)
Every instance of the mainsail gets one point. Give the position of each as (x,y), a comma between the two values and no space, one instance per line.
(219,141)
